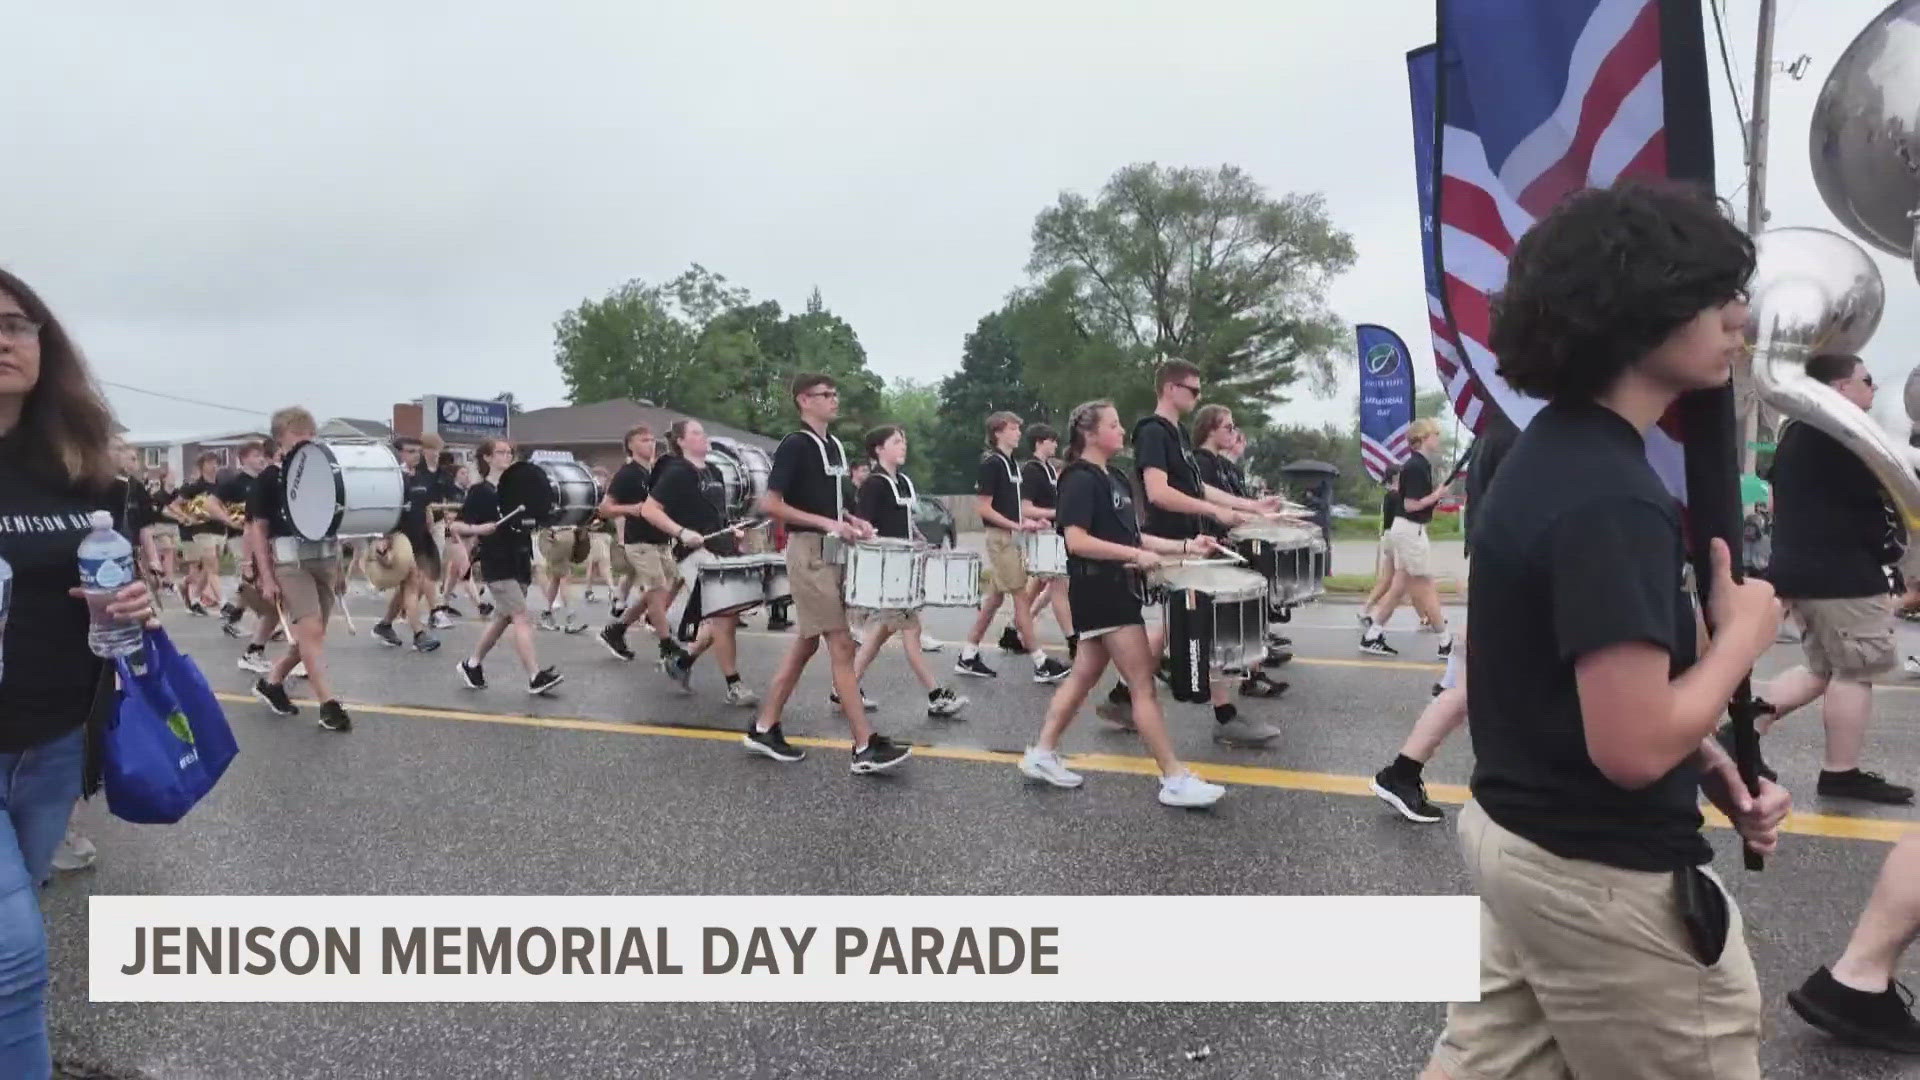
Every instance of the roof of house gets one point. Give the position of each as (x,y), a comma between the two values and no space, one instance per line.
(243,435)
(344,425)
(607,422)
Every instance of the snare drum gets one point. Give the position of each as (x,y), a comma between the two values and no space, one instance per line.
(1216,617)
(778,587)
(883,575)
(330,490)
(1045,553)
(950,579)
(731,586)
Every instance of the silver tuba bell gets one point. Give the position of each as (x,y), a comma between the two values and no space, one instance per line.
(1865,137)
(1816,291)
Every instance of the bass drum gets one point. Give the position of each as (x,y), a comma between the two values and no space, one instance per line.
(746,472)
(336,490)
(549,494)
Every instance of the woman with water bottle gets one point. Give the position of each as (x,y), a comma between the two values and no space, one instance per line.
(56,471)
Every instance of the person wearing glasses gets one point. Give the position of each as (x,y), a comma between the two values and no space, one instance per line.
(504,554)
(1834,542)
(1215,432)
(1177,501)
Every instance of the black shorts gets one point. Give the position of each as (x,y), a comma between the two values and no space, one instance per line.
(1102,601)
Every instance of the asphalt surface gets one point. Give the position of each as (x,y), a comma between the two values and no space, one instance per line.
(459,792)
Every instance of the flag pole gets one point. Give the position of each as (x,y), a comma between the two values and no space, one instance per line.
(1750,414)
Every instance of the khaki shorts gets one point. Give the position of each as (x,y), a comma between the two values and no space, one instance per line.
(1407,542)
(509,598)
(556,549)
(1383,562)
(653,567)
(1585,971)
(206,547)
(816,584)
(166,537)
(1848,639)
(617,558)
(896,621)
(599,549)
(306,589)
(1006,565)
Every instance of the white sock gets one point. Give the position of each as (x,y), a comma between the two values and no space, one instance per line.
(969,652)
(1039,657)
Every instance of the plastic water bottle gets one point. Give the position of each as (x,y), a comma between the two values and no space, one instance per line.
(6,606)
(106,567)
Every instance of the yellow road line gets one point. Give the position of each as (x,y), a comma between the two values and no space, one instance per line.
(1837,826)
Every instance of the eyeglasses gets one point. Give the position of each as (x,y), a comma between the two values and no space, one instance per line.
(1191,388)
(18,328)
(823,394)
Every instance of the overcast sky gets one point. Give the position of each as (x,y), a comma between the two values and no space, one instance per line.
(363,203)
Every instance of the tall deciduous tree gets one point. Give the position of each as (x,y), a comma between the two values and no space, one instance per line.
(990,379)
(1206,266)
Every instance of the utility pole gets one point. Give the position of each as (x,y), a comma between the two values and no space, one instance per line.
(1750,426)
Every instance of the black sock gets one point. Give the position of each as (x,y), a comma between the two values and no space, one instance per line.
(1120,695)
(732,679)
(1406,768)
(668,647)
(1225,713)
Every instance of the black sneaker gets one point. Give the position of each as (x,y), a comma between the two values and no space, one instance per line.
(1409,796)
(1445,648)
(546,622)
(486,609)
(944,702)
(545,681)
(772,743)
(1377,645)
(774,625)
(231,612)
(451,612)
(276,697)
(1279,641)
(1725,737)
(616,611)
(679,668)
(231,629)
(1883,1021)
(1258,685)
(424,642)
(472,674)
(1276,656)
(334,718)
(1010,641)
(881,753)
(194,608)
(384,634)
(974,666)
(614,640)
(1051,671)
(1862,785)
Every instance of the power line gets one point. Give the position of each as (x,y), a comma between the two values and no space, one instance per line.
(184,400)
(1733,85)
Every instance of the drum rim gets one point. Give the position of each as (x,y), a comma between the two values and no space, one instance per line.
(339,490)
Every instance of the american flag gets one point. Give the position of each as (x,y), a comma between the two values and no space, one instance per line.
(1538,99)
(1456,379)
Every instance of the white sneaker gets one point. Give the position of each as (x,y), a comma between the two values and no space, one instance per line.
(442,621)
(1913,667)
(255,662)
(928,644)
(299,670)
(742,695)
(75,852)
(1188,790)
(1038,764)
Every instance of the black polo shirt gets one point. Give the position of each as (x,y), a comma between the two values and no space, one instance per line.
(1833,531)
(806,480)
(694,498)
(886,503)
(266,502)
(998,479)
(1040,484)
(506,554)
(188,492)
(629,487)
(1158,443)
(422,488)
(1576,548)
(1416,482)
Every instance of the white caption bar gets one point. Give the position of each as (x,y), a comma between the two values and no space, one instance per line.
(783,948)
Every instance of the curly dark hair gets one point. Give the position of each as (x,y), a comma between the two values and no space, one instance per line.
(1605,277)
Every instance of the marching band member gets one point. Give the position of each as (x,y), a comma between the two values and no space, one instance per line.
(886,501)
(415,597)
(505,557)
(656,573)
(803,492)
(559,550)
(997,494)
(1039,483)
(1215,433)
(685,501)
(199,534)
(600,545)
(1104,542)
(230,501)
(302,591)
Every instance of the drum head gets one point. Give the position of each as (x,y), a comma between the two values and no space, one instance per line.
(526,485)
(1223,583)
(312,492)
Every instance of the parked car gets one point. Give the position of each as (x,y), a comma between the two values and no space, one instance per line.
(934,521)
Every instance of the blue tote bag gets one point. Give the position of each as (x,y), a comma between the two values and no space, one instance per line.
(168,742)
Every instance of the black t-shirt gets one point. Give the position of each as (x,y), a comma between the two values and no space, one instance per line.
(236,494)
(886,503)
(1416,482)
(50,675)
(1577,549)
(422,490)
(806,481)
(629,487)
(1489,450)
(133,510)
(1214,471)
(268,503)
(188,492)
(694,498)
(1039,484)
(1099,500)
(1389,509)
(1158,443)
(506,554)
(1833,531)
(998,480)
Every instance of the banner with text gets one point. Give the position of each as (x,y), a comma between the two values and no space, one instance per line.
(784,948)
(1386,398)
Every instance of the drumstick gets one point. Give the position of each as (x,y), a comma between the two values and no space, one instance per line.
(508,514)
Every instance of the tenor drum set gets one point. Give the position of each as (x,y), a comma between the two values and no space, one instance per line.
(900,575)
(1293,558)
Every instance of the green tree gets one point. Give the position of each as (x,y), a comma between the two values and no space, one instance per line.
(1064,361)
(915,406)
(1205,266)
(1269,450)
(629,343)
(990,379)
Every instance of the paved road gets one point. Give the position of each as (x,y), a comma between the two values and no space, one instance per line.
(619,785)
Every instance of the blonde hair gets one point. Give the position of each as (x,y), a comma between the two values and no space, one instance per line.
(1422,429)
(291,418)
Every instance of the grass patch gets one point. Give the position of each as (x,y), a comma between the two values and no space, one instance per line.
(1443,527)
